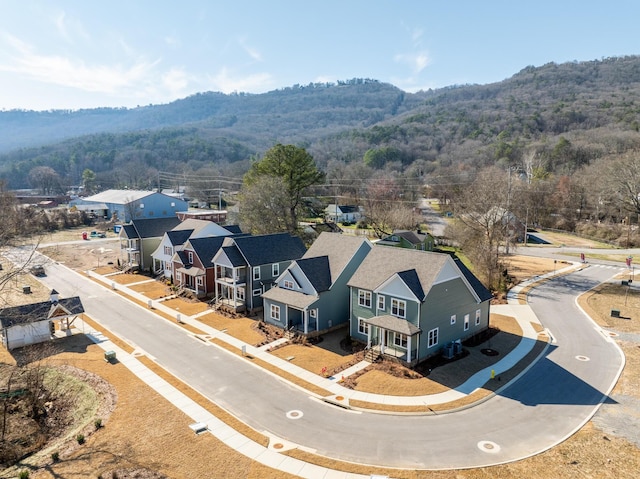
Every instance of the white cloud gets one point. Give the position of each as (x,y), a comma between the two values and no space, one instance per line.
(249,50)
(175,80)
(257,82)
(68,28)
(72,72)
(172,41)
(417,61)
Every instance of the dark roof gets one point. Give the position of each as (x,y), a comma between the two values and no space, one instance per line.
(130,231)
(483,293)
(155,227)
(235,229)
(183,257)
(28,313)
(317,271)
(265,249)
(178,237)
(234,256)
(410,278)
(348,208)
(207,247)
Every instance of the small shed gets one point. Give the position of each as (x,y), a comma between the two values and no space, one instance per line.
(37,322)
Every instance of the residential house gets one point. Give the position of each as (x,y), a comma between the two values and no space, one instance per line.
(409,239)
(37,322)
(128,205)
(415,304)
(140,238)
(219,216)
(311,295)
(343,213)
(247,266)
(193,268)
(174,240)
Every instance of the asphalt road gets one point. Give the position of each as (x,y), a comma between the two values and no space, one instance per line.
(550,402)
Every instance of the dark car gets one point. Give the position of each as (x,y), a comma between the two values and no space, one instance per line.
(37,270)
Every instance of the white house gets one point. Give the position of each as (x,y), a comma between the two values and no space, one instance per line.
(342,213)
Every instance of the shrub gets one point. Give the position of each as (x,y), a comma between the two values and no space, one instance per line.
(24,475)
(55,457)
(80,438)
(98,423)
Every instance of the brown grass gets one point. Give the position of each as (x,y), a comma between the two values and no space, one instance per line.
(152,289)
(313,358)
(186,307)
(239,328)
(128,278)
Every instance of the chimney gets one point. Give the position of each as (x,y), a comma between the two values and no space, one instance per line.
(54,296)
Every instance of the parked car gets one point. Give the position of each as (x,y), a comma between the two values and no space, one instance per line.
(37,270)
(98,234)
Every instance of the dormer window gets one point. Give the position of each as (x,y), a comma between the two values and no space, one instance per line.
(287,284)
(190,257)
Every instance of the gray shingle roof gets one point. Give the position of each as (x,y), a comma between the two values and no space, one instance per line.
(291,298)
(394,324)
(28,313)
(382,263)
(339,248)
(205,248)
(265,249)
(317,272)
(154,227)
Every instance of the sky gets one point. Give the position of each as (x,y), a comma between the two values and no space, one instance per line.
(74,54)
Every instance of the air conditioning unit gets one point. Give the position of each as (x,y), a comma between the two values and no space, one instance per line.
(447,351)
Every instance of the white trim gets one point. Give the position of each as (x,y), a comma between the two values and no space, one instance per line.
(432,337)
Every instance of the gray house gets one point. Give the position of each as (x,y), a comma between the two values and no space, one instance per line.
(414,304)
(311,295)
(247,266)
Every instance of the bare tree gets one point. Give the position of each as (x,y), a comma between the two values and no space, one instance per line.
(264,206)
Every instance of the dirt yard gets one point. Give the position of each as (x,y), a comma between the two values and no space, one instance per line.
(134,439)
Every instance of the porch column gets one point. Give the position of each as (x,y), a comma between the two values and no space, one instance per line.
(305,320)
(408,348)
(369,335)
(382,341)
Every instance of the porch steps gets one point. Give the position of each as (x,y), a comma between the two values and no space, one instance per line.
(371,355)
(289,334)
(272,344)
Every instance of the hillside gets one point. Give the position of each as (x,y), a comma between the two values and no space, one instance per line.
(570,114)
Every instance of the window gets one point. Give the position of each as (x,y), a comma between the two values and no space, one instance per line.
(433,338)
(363,326)
(394,238)
(256,272)
(453,319)
(313,313)
(141,206)
(380,302)
(287,284)
(477,317)
(398,308)
(240,294)
(466,322)
(191,257)
(173,204)
(199,280)
(179,277)
(275,312)
(168,250)
(400,340)
(364,298)
(257,292)
(275,269)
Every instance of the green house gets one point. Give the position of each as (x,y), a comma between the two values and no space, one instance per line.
(413,304)
(418,239)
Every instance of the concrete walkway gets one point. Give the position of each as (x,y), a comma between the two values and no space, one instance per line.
(521,312)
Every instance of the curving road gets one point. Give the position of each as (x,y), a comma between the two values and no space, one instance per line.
(550,402)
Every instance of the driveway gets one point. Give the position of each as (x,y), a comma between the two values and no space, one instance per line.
(550,402)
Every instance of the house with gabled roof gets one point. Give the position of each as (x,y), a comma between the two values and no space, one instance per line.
(343,213)
(140,238)
(174,240)
(193,268)
(37,322)
(409,239)
(247,266)
(414,304)
(311,295)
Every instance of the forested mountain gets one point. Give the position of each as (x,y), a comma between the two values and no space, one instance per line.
(564,115)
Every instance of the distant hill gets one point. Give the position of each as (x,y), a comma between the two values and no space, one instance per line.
(567,113)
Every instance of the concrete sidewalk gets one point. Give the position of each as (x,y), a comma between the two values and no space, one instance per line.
(340,394)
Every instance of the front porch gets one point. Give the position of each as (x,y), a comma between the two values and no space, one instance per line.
(393,337)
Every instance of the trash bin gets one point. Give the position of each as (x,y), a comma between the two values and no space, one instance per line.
(109,356)
(615,313)
(84,235)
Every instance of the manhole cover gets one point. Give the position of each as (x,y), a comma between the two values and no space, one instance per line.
(278,446)
(489,352)
(488,446)
(295,414)
(339,398)
(582,358)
